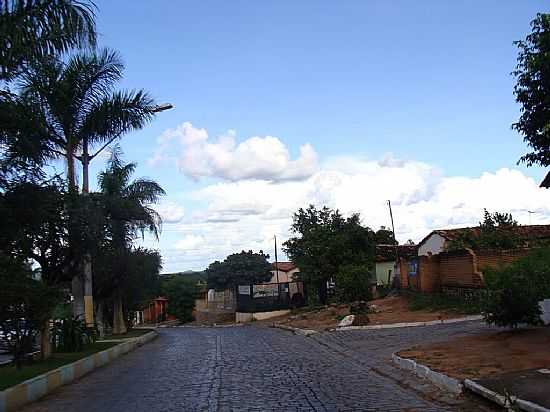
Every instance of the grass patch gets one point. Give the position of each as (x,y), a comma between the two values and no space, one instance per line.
(440,302)
(132,333)
(10,376)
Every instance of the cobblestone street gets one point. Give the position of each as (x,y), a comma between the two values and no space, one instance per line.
(261,369)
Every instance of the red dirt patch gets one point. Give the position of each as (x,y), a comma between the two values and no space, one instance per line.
(391,310)
(487,354)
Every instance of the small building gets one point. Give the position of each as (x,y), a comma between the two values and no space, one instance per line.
(156,311)
(394,262)
(283,272)
(440,268)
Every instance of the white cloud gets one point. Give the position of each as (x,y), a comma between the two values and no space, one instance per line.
(264,158)
(170,212)
(246,214)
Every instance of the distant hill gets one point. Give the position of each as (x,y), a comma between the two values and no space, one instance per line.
(189,274)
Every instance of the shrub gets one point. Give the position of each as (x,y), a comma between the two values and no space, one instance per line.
(72,335)
(514,292)
(353,282)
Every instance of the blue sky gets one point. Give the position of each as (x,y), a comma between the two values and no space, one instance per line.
(404,100)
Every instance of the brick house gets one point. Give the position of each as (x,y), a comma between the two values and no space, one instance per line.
(439,268)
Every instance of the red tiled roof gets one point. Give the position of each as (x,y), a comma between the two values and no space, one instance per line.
(284,266)
(525,233)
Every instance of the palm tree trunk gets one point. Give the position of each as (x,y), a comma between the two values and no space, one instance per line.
(119,325)
(100,323)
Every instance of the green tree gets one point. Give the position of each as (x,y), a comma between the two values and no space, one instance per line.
(181,294)
(496,231)
(384,236)
(127,205)
(532,91)
(514,292)
(353,282)
(243,268)
(324,242)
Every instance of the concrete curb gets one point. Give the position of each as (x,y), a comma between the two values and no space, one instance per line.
(31,390)
(296,331)
(412,324)
(438,379)
(501,400)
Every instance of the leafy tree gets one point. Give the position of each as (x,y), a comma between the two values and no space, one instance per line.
(243,268)
(25,305)
(497,231)
(515,291)
(181,294)
(532,91)
(325,242)
(353,282)
(384,236)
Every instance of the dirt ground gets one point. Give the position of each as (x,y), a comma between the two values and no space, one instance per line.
(486,355)
(391,310)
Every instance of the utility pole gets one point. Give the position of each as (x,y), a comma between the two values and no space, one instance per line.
(276,262)
(394,239)
(530,213)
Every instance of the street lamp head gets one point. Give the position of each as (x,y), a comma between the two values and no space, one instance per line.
(162,107)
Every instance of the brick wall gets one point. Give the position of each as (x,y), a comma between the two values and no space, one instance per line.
(429,273)
(458,269)
(499,258)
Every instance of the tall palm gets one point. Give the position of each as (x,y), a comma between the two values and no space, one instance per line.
(129,213)
(81,110)
(32,29)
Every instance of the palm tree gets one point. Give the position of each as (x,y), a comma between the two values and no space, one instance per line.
(80,111)
(32,29)
(129,215)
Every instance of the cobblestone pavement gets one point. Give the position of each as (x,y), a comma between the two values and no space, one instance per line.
(260,369)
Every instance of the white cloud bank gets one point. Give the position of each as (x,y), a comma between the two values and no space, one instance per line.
(261,186)
(265,158)
(246,214)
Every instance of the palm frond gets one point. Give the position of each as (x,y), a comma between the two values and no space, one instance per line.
(33,29)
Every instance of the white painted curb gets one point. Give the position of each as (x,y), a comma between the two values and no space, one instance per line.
(412,324)
(501,400)
(439,379)
(15,397)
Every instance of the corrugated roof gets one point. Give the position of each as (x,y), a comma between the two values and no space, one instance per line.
(386,253)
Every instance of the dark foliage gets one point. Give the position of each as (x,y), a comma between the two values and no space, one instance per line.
(245,268)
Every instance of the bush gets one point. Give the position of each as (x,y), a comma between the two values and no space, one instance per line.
(353,282)
(514,292)
(72,335)
(181,294)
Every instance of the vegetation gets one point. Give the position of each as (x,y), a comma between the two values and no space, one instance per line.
(181,294)
(57,100)
(72,334)
(245,268)
(384,236)
(495,232)
(353,283)
(532,91)
(442,302)
(324,242)
(10,375)
(514,292)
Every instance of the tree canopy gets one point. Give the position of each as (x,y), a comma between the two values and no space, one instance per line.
(244,268)
(532,91)
(324,241)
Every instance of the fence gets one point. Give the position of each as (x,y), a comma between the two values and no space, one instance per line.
(268,297)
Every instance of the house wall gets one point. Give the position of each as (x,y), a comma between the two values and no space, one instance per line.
(428,278)
(382,269)
(458,270)
(284,277)
(494,259)
(433,245)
